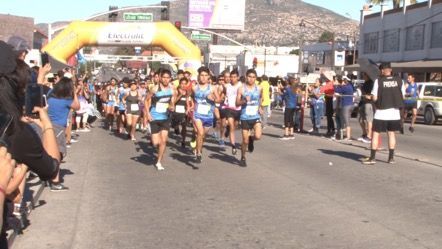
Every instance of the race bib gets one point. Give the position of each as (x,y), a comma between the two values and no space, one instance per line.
(134,107)
(203,109)
(251,110)
(161,107)
(180,109)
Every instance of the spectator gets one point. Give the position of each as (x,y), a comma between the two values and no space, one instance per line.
(344,93)
(366,110)
(328,90)
(316,106)
(41,155)
(265,100)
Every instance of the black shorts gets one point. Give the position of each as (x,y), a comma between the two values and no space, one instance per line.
(222,113)
(410,106)
(159,125)
(289,114)
(386,125)
(249,124)
(178,118)
(122,112)
(229,113)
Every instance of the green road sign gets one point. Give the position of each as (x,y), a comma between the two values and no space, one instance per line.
(201,37)
(145,17)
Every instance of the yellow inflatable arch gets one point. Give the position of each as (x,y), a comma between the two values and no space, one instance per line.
(79,34)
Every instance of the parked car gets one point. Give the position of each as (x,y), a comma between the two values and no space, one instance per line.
(430,101)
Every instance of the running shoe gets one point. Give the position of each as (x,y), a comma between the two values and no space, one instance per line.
(57,187)
(133,139)
(411,129)
(199,158)
(251,146)
(221,142)
(243,162)
(193,144)
(391,161)
(366,140)
(234,151)
(73,140)
(83,130)
(159,166)
(291,137)
(311,130)
(368,161)
(285,137)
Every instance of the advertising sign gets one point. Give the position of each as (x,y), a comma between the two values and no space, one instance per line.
(127,33)
(217,14)
(339,58)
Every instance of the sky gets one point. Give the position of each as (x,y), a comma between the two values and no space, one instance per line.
(45,11)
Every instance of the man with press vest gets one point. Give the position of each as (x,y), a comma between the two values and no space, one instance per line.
(388,95)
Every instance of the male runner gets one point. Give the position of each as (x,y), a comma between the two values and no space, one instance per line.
(250,98)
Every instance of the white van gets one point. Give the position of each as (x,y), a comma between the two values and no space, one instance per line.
(430,101)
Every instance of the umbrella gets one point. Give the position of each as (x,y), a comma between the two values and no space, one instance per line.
(369,67)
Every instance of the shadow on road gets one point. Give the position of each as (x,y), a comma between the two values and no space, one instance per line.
(344,154)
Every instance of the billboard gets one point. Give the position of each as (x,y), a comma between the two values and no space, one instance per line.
(217,14)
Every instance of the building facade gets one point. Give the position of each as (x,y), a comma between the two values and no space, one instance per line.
(410,33)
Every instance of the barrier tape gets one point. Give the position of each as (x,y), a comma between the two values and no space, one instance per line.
(434,99)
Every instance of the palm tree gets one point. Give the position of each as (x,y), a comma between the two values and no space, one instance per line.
(396,3)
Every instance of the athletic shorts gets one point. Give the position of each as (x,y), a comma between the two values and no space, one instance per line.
(178,118)
(386,125)
(410,105)
(366,112)
(229,113)
(122,112)
(249,124)
(222,113)
(159,125)
(206,122)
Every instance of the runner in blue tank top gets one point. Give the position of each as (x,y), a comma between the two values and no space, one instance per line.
(410,102)
(159,103)
(249,97)
(204,96)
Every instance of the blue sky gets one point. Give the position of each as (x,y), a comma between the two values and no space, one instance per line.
(56,10)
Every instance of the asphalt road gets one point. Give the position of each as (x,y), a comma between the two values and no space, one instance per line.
(309,192)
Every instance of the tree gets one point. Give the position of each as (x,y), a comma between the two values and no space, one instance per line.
(294,51)
(326,36)
(396,3)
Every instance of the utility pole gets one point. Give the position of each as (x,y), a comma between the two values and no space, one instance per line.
(265,59)
(301,44)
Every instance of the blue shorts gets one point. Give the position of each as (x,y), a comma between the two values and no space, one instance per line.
(207,122)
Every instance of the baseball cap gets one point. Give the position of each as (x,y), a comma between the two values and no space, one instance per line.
(7,59)
(385,65)
(18,43)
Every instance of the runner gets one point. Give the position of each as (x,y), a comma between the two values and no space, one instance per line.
(121,113)
(179,116)
(224,79)
(159,102)
(250,98)
(142,92)
(231,111)
(204,96)
(109,103)
(131,101)
(411,95)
